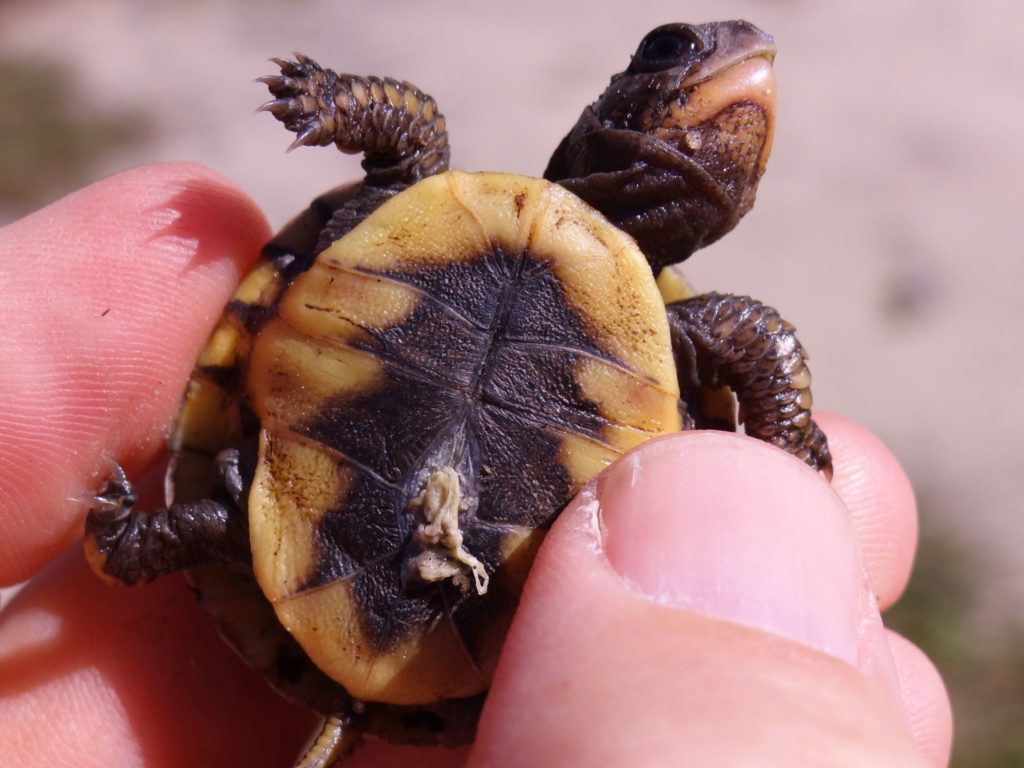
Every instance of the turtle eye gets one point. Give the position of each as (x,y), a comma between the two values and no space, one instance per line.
(665,48)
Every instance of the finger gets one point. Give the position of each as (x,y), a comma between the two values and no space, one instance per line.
(108,295)
(706,598)
(142,674)
(379,754)
(925,699)
(92,676)
(880,499)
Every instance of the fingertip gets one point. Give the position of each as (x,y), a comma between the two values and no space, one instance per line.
(880,498)
(91,675)
(925,700)
(109,294)
(734,528)
(596,670)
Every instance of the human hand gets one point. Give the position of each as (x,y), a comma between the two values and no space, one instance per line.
(106,297)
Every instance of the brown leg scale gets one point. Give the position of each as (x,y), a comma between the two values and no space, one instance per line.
(351,213)
(734,341)
(134,547)
(395,125)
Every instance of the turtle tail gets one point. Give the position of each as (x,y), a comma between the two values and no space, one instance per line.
(396,126)
(335,741)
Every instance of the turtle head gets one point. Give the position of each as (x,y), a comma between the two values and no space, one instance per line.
(673,150)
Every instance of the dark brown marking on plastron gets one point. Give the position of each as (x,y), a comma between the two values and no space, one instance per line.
(519,201)
(251,317)
(527,484)
(433,340)
(470,288)
(539,383)
(388,613)
(389,429)
(226,377)
(369,526)
(391,613)
(451,722)
(494,364)
(542,312)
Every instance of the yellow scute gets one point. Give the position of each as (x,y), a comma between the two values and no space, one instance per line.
(584,458)
(295,485)
(260,286)
(673,285)
(627,399)
(292,376)
(422,227)
(224,346)
(209,418)
(425,668)
(338,304)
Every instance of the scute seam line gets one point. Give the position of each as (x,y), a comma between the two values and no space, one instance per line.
(309,440)
(407,370)
(390,278)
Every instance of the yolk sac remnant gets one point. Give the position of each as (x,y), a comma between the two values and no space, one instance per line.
(443,556)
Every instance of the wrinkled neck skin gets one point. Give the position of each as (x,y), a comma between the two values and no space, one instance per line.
(674,156)
(670,204)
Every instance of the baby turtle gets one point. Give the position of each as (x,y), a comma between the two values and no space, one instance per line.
(426,366)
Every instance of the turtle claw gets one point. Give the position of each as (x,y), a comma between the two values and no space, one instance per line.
(306,136)
(303,68)
(280,83)
(289,67)
(303,100)
(272,81)
(277,107)
(227,464)
(116,499)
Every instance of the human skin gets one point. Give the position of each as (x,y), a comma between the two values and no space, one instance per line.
(708,600)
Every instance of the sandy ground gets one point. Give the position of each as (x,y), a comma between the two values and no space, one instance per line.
(886,228)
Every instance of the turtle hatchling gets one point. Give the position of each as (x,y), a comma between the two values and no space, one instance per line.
(427,365)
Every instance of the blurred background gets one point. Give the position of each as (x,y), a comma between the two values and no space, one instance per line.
(887,228)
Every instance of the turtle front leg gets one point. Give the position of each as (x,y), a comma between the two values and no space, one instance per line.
(134,547)
(397,127)
(738,342)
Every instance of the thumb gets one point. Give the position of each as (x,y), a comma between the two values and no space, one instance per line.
(704,602)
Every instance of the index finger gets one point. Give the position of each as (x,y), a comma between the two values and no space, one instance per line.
(108,295)
(880,499)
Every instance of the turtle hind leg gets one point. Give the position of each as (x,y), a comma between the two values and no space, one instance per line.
(134,547)
(336,741)
(738,342)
